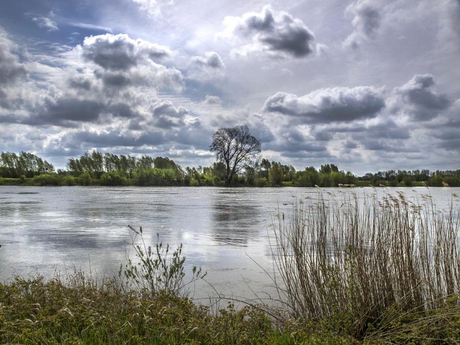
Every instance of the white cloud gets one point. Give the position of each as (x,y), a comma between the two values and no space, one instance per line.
(46,22)
(366,21)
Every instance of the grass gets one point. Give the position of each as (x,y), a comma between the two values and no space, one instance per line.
(35,311)
(386,270)
(354,270)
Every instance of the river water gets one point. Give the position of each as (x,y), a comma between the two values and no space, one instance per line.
(50,230)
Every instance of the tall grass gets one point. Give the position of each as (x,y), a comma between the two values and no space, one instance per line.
(365,265)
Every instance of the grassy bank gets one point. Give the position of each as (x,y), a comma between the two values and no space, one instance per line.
(353,270)
(39,312)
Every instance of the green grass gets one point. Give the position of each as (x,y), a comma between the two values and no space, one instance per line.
(38,312)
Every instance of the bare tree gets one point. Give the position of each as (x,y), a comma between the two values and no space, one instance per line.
(234,147)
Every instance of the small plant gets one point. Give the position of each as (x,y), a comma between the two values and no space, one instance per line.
(155,272)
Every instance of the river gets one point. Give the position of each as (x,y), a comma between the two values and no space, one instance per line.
(50,230)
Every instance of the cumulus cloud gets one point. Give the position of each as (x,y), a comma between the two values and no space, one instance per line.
(275,32)
(294,143)
(120,52)
(65,111)
(209,99)
(80,82)
(166,115)
(418,99)
(366,22)
(206,68)
(11,70)
(209,60)
(121,61)
(338,104)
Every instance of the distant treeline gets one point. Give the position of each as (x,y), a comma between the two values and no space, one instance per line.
(118,170)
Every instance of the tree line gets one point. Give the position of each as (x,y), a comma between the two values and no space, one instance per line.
(107,169)
(238,164)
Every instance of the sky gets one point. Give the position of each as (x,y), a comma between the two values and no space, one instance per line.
(367,85)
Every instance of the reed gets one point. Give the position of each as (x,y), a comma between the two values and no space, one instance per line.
(365,265)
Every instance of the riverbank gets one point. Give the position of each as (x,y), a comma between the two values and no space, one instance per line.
(35,311)
(55,180)
(39,312)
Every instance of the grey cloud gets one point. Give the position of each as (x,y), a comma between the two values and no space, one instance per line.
(323,136)
(65,111)
(387,130)
(262,132)
(448,138)
(313,152)
(79,82)
(197,137)
(120,52)
(11,70)
(385,135)
(209,60)
(418,99)
(167,116)
(450,145)
(167,108)
(116,138)
(350,144)
(366,22)
(374,144)
(275,32)
(124,62)
(338,104)
(123,110)
(294,141)
(116,80)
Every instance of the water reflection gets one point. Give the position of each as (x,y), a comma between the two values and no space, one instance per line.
(235,217)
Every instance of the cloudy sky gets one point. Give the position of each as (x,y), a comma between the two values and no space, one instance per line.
(366,84)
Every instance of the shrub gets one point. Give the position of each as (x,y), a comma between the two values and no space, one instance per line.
(435,181)
(156,272)
(408,181)
(69,180)
(194,182)
(46,180)
(85,179)
(112,178)
(452,181)
(261,182)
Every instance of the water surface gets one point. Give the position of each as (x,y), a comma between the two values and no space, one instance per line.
(223,230)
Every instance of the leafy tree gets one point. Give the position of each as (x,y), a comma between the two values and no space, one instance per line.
(234,147)
(408,181)
(276,175)
(328,168)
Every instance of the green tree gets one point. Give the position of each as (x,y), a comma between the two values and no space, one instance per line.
(275,174)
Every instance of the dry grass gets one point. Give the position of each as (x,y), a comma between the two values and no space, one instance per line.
(372,268)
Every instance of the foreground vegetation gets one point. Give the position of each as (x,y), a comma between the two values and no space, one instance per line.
(39,312)
(113,170)
(353,270)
